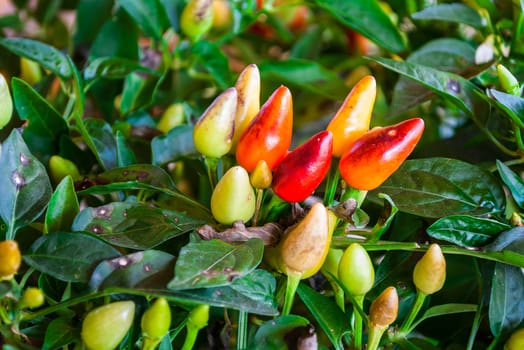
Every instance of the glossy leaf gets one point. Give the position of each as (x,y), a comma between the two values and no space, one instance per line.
(69,257)
(215,263)
(306,75)
(513,181)
(25,186)
(131,271)
(365,17)
(37,51)
(104,142)
(210,56)
(457,13)
(59,333)
(132,225)
(271,334)
(45,126)
(177,143)
(506,309)
(149,15)
(124,155)
(444,309)
(329,316)
(466,230)
(63,207)
(511,104)
(139,91)
(113,68)
(438,187)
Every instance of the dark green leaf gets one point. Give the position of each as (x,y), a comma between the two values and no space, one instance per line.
(124,154)
(506,309)
(132,225)
(513,181)
(37,51)
(307,75)
(385,219)
(177,143)
(438,187)
(511,240)
(149,15)
(465,230)
(46,126)
(366,17)
(211,57)
(131,270)
(271,334)
(103,140)
(327,313)
(215,263)
(511,104)
(139,91)
(457,13)
(445,309)
(144,173)
(68,256)
(60,332)
(25,186)
(63,207)
(90,17)
(113,68)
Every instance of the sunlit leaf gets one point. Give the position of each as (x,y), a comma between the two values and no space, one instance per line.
(63,207)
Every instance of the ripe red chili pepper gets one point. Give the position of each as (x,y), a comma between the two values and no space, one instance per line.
(304,168)
(268,137)
(377,154)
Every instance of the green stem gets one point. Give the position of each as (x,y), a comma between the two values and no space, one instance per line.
(517,32)
(357,329)
(242,330)
(417,305)
(494,343)
(332,183)
(358,195)
(259,194)
(374,335)
(212,170)
(293,280)
(191,337)
(339,298)
(507,257)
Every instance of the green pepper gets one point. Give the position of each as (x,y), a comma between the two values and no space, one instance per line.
(429,274)
(515,341)
(32,298)
(197,18)
(6,103)
(60,167)
(196,320)
(155,323)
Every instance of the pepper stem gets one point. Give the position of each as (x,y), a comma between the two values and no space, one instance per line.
(339,297)
(259,194)
(357,328)
(417,305)
(358,195)
(293,280)
(374,335)
(191,336)
(212,170)
(242,330)
(331,183)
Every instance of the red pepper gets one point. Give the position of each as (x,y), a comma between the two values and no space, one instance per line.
(303,169)
(268,137)
(377,154)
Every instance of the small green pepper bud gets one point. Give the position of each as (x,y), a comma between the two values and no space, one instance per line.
(61,167)
(155,323)
(197,319)
(516,340)
(173,116)
(356,271)
(30,71)
(197,18)
(261,177)
(430,271)
(32,298)
(509,83)
(6,103)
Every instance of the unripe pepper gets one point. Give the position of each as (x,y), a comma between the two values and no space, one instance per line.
(61,167)
(353,117)
(6,103)
(155,323)
(304,168)
(268,136)
(197,18)
(30,71)
(355,270)
(233,197)
(105,327)
(429,274)
(382,312)
(261,177)
(32,298)
(509,83)
(10,259)
(516,340)
(377,154)
(174,115)
(248,103)
(197,319)
(214,129)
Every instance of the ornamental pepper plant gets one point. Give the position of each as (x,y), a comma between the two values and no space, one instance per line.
(218,174)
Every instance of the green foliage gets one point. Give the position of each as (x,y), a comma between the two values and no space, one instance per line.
(135,221)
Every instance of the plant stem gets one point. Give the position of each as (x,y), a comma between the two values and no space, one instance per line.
(493,343)
(191,336)
(259,194)
(417,305)
(331,183)
(358,195)
(242,330)
(357,329)
(293,279)
(339,298)
(212,168)
(374,335)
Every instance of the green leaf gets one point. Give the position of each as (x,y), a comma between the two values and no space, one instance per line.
(506,309)
(512,105)
(511,240)
(25,186)
(366,17)
(49,57)
(327,313)
(456,13)
(438,187)
(131,271)
(466,230)
(385,219)
(139,91)
(59,333)
(305,74)
(67,256)
(63,207)
(90,17)
(143,173)
(253,293)
(513,181)
(177,143)
(133,225)
(215,263)
(211,57)
(103,141)
(45,126)
(113,68)
(124,154)
(444,309)
(149,15)
(271,334)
